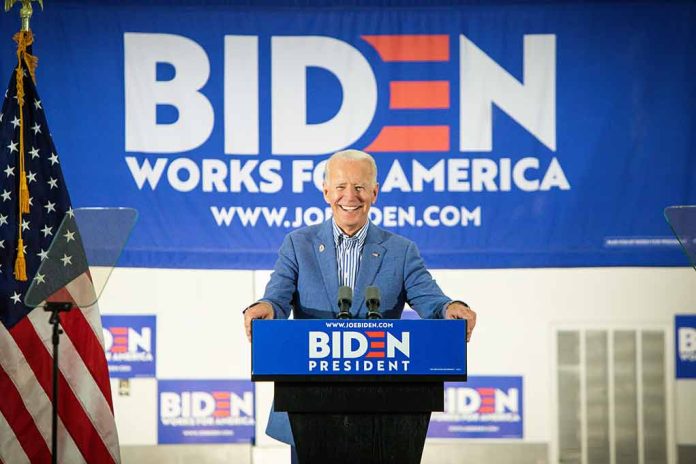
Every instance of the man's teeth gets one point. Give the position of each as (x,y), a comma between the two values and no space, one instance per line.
(349,208)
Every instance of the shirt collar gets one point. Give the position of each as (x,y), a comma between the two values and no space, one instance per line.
(339,236)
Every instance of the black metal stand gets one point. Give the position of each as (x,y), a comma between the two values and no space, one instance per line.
(55,308)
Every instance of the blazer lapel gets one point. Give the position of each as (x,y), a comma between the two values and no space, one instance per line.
(372,256)
(325,252)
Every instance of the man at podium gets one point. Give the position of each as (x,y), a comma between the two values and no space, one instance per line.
(348,250)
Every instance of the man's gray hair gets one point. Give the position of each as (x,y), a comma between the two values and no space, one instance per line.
(356,155)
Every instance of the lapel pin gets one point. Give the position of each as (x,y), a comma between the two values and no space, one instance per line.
(321,248)
(375,254)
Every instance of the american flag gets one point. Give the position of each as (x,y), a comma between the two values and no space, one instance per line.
(86,427)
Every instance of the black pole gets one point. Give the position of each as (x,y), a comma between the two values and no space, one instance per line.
(55,308)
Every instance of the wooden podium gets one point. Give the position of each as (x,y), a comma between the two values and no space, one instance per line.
(371,400)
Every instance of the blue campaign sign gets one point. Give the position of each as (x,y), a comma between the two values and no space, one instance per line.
(205,411)
(544,134)
(434,348)
(483,407)
(131,345)
(685,338)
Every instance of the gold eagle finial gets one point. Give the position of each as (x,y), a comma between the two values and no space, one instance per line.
(25,12)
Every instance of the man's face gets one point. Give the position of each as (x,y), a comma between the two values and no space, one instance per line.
(349,190)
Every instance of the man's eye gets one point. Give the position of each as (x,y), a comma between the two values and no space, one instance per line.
(359,188)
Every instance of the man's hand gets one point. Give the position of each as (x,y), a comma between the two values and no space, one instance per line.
(260,310)
(457,310)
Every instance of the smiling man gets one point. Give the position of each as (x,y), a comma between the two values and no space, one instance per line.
(313,262)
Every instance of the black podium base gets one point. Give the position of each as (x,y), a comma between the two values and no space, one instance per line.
(359,438)
(359,423)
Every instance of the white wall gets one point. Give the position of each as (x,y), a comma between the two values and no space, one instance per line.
(200,331)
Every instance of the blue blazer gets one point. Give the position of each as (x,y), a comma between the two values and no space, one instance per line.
(305,282)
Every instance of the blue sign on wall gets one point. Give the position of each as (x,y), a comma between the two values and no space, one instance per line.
(131,345)
(205,411)
(685,338)
(359,347)
(483,407)
(544,134)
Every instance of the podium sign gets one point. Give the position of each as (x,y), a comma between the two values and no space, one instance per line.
(321,349)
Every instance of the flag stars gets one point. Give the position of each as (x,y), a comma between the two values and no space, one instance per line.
(42,254)
(70,213)
(69,236)
(66,259)
(12,146)
(16,297)
(15,122)
(2,244)
(36,128)
(53,159)
(50,207)
(37,104)
(25,225)
(40,278)
(6,195)
(31,177)
(53,183)
(47,231)
(9,171)
(34,152)
(3,219)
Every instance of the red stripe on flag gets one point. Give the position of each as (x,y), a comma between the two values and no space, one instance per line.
(410,47)
(375,354)
(376,344)
(419,95)
(87,344)
(411,138)
(21,422)
(375,334)
(70,409)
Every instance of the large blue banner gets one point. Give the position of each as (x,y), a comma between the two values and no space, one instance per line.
(506,135)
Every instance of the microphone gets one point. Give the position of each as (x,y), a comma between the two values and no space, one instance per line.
(372,301)
(345,300)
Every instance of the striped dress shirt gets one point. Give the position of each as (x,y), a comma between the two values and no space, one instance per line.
(348,254)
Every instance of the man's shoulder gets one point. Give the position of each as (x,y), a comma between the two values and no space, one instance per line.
(305,233)
(390,239)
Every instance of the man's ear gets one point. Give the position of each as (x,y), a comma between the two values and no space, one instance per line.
(325,189)
(375,192)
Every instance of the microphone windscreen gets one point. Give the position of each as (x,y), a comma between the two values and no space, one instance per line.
(372,293)
(345,294)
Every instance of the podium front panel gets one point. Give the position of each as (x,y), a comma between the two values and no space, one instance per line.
(358,350)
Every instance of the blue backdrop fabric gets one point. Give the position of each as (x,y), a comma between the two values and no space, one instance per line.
(506,134)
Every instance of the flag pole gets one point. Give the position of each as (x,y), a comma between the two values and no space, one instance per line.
(25,11)
(24,40)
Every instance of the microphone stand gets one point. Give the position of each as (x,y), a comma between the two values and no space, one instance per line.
(345,300)
(372,302)
(344,309)
(55,308)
